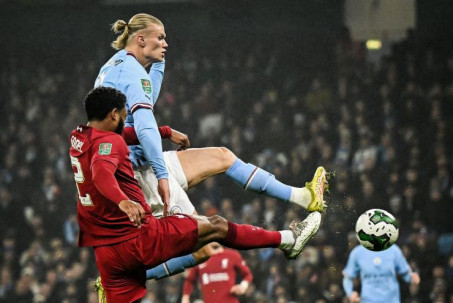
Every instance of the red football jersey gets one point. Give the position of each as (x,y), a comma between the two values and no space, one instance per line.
(100,220)
(217,276)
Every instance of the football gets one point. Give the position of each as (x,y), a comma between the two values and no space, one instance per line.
(376,229)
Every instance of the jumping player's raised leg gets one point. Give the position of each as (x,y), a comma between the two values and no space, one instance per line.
(201,163)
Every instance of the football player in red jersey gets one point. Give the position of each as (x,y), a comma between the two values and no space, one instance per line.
(217,276)
(116,221)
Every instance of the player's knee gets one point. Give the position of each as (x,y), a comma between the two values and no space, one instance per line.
(226,157)
(219,224)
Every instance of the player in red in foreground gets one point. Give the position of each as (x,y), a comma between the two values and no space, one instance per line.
(116,221)
(217,277)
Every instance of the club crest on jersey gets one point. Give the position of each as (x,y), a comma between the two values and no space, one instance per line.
(224,263)
(175,210)
(105,149)
(146,85)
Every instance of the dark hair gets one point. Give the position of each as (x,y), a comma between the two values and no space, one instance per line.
(102,100)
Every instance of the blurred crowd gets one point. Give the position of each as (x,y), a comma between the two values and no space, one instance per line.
(385,129)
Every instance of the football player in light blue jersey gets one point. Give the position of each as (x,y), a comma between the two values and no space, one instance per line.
(141,45)
(126,71)
(378,272)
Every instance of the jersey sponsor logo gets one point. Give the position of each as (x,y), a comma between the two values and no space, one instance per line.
(114,62)
(105,149)
(216,277)
(76,143)
(377,277)
(146,85)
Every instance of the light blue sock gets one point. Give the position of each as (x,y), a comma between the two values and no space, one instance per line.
(171,267)
(258,180)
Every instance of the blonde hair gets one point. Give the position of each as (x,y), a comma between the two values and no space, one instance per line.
(126,30)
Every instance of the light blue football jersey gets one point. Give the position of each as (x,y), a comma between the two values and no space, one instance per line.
(378,273)
(126,74)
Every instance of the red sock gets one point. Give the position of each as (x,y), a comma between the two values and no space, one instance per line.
(242,236)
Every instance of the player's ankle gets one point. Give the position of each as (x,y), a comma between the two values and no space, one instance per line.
(301,196)
(288,239)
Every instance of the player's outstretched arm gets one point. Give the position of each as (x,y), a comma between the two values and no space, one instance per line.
(130,136)
(149,137)
(166,132)
(105,181)
(148,134)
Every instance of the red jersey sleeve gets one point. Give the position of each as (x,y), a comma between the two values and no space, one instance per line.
(190,281)
(165,131)
(109,148)
(241,267)
(103,173)
(108,151)
(130,136)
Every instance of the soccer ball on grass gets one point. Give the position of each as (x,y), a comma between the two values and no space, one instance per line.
(376,229)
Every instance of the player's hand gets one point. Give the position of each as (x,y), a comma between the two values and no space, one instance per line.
(134,211)
(180,139)
(239,289)
(415,278)
(164,193)
(354,297)
(185,299)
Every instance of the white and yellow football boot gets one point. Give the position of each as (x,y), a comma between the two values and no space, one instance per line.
(303,232)
(316,187)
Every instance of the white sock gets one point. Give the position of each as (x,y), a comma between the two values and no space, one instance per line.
(301,196)
(288,239)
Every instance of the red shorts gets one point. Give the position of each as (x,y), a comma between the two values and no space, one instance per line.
(123,265)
